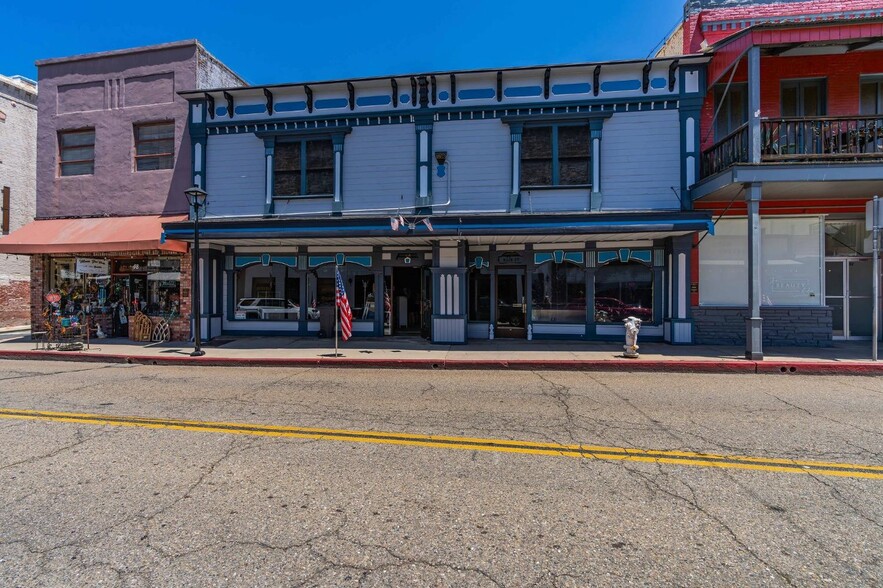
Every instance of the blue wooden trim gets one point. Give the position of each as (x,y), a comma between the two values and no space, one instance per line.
(566,89)
(295,106)
(658,83)
(373,100)
(328,103)
(250,109)
(559,256)
(621,86)
(265,259)
(523,91)
(443,95)
(340,259)
(643,255)
(476,94)
(329,123)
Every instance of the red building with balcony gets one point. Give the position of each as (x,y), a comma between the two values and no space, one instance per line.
(791,150)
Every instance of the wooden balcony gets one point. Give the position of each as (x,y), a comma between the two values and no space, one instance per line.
(801,140)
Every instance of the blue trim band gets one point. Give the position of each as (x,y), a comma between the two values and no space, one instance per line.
(621,86)
(290,106)
(373,101)
(476,94)
(564,89)
(326,103)
(523,91)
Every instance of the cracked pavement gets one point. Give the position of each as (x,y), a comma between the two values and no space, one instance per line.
(86,505)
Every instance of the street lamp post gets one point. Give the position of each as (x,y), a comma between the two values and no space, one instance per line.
(196,197)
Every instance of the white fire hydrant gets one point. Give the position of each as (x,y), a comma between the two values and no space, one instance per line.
(632,326)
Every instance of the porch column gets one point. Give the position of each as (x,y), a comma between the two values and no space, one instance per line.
(449,294)
(754,324)
(754,105)
(679,289)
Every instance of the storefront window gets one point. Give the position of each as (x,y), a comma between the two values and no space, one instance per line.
(268,293)
(163,286)
(360,293)
(559,293)
(623,290)
(847,239)
(791,261)
(479,295)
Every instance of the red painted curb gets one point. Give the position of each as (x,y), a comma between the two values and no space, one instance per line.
(604,365)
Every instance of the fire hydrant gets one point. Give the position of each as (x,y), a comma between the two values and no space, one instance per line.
(632,326)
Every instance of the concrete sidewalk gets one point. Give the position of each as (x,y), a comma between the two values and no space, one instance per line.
(841,358)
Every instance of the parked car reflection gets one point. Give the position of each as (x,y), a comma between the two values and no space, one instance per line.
(613,310)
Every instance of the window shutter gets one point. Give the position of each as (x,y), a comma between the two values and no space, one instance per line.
(5,228)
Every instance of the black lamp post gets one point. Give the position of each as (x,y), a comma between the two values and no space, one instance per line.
(196,197)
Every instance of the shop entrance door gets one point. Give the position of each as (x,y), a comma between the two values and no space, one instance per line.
(849,292)
(511,307)
(410,300)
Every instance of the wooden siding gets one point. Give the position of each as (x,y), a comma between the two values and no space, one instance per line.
(380,167)
(235,175)
(480,165)
(640,161)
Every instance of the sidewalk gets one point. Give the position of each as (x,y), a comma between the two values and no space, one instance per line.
(413,352)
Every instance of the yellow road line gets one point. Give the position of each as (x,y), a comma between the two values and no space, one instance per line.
(686,458)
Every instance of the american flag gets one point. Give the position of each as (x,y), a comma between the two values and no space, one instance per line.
(343,305)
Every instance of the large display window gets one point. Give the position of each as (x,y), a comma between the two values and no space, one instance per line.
(267,293)
(90,285)
(559,293)
(791,262)
(623,290)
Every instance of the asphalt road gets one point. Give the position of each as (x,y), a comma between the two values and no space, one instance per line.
(159,503)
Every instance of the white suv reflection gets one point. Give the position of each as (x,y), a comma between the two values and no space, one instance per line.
(271,308)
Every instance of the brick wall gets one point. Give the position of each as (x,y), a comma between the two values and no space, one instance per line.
(842,72)
(14,303)
(803,326)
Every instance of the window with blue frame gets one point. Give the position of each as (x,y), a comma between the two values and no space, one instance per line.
(558,293)
(303,167)
(556,155)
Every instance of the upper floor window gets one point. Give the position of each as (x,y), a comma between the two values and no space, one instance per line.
(804,98)
(76,152)
(872,96)
(154,146)
(732,109)
(303,168)
(555,155)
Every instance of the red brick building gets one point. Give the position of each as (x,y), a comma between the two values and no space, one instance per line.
(791,150)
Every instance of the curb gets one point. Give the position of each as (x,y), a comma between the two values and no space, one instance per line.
(607,365)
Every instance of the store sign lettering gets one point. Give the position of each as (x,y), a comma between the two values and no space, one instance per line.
(92,266)
(510,258)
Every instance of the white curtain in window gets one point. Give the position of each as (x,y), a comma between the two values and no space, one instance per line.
(791,258)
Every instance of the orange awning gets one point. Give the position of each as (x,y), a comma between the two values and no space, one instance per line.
(92,235)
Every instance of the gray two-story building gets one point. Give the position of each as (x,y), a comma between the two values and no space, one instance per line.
(537,202)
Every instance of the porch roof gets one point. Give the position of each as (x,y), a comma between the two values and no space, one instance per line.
(494,229)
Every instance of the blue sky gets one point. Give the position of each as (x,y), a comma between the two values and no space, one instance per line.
(274,42)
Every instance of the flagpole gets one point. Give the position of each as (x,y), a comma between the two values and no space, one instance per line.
(336,308)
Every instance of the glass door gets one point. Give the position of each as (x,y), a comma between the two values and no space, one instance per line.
(511,306)
(849,292)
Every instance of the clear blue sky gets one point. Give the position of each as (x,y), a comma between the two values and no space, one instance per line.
(287,41)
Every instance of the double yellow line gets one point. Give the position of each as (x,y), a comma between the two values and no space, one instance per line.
(683,458)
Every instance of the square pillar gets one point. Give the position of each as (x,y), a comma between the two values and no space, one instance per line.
(754,324)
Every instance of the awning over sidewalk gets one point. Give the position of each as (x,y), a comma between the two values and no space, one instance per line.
(92,235)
